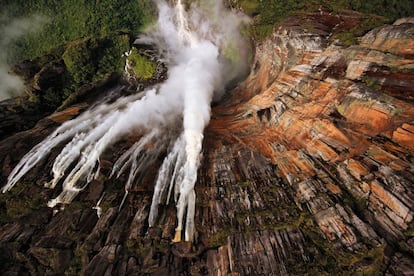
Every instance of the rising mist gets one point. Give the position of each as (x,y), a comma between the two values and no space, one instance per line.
(204,52)
(11,30)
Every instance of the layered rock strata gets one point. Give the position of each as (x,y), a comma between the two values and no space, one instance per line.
(308,168)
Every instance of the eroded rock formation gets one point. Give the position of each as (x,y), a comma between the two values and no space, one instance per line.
(308,168)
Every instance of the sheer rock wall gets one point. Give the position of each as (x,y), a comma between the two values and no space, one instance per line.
(307,168)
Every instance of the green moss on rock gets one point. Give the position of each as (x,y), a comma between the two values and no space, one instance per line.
(367,260)
(350,37)
(17,203)
(140,65)
(220,237)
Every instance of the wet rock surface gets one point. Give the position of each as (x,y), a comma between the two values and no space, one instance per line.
(307,168)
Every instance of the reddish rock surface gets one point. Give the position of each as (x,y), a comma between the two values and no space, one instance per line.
(307,169)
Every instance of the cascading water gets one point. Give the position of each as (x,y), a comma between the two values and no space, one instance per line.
(169,117)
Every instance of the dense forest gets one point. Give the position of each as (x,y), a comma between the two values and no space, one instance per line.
(67,20)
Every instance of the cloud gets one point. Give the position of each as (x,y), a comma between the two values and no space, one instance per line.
(11,30)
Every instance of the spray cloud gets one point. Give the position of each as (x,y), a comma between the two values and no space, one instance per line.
(12,30)
(169,117)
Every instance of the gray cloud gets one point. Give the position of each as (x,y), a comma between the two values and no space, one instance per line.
(12,29)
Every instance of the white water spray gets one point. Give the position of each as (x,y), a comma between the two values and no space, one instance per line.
(170,117)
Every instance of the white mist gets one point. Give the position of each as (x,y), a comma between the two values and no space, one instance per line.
(170,117)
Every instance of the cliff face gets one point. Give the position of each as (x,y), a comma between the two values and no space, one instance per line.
(308,168)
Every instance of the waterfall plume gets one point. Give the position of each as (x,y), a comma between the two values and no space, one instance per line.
(170,117)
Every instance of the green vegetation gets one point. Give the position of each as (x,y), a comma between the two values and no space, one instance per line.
(350,37)
(16,203)
(392,9)
(220,237)
(79,260)
(249,7)
(410,230)
(89,36)
(366,261)
(141,65)
(89,28)
(371,82)
(90,59)
(244,183)
(70,20)
(269,12)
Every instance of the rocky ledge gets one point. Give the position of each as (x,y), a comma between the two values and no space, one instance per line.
(307,169)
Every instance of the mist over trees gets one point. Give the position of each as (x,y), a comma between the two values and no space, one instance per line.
(73,19)
(65,21)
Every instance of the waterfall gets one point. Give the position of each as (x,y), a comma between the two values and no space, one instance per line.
(169,117)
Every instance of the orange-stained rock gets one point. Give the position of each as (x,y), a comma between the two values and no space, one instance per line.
(404,136)
(365,116)
(318,148)
(294,166)
(307,168)
(333,227)
(68,113)
(333,188)
(356,169)
(408,127)
(380,155)
(390,201)
(396,39)
(307,107)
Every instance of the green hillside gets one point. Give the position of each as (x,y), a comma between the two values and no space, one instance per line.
(67,20)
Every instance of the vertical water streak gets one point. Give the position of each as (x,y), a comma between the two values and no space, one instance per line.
(169,118)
